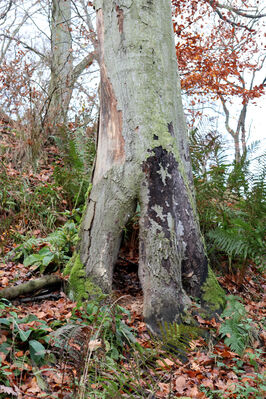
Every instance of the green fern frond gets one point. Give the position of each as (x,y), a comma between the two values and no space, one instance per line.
(230,242)
(177,337)
(236,327)
(78,152)
(60,241)
(24,249)
(235,336)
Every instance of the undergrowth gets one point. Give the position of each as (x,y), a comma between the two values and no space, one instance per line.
(237,330)
(96,352)
(34,200)
(30,206)
(53,251)
(73,175)
(230,200)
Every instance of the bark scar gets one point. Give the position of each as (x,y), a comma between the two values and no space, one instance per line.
(120,18)
(110,141)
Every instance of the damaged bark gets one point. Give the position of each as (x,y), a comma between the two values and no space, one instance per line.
(110,138)
(142,157)
(120,18)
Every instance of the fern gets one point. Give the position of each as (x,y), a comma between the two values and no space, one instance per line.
(78,152)
(231,200)
(228,241)
(59,245)
(236,328)
(177,338)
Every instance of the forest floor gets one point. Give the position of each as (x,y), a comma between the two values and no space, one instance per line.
(210,369)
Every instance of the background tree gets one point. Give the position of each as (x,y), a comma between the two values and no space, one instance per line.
(63,73)
(221,63)
(43,71)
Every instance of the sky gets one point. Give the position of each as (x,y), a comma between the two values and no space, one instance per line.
(256,115)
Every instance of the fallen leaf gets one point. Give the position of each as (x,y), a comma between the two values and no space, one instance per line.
(165,363)
(208,383)
(180,384)
(164,390)
(194,392)
(94,344)
(19,354)
(4,281)
(8,390)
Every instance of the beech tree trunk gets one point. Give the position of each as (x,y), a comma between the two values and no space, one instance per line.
(63,73)
(142,157)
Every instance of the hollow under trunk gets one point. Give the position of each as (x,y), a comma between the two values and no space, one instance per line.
(142,157)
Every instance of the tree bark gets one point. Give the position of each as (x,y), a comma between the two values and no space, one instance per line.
(63,74)
(60,90)
(142,156)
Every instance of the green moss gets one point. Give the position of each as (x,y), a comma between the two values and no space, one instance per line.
(69,265)
(88,191)
(213,294)
(80,287)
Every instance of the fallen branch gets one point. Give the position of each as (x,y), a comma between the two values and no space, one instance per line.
(51,296)
(30,286)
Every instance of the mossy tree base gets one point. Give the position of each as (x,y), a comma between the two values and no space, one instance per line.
(80,288)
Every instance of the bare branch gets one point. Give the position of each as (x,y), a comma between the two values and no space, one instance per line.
(10,38)
(8,7)
(86,62)
(235,10)
(216,6)
(89,24)
(25,45)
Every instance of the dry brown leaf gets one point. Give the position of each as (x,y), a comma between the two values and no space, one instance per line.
(207,383)
(194,392)
(220,384)
(195,366)
(165,363)
(7,390)
(4,281)
(180,384)
(94,344)
(164,390)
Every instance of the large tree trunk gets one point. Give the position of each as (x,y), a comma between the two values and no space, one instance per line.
(142,156)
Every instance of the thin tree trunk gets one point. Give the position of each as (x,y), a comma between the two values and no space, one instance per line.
(60,88)
(237,148)
(142,156)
